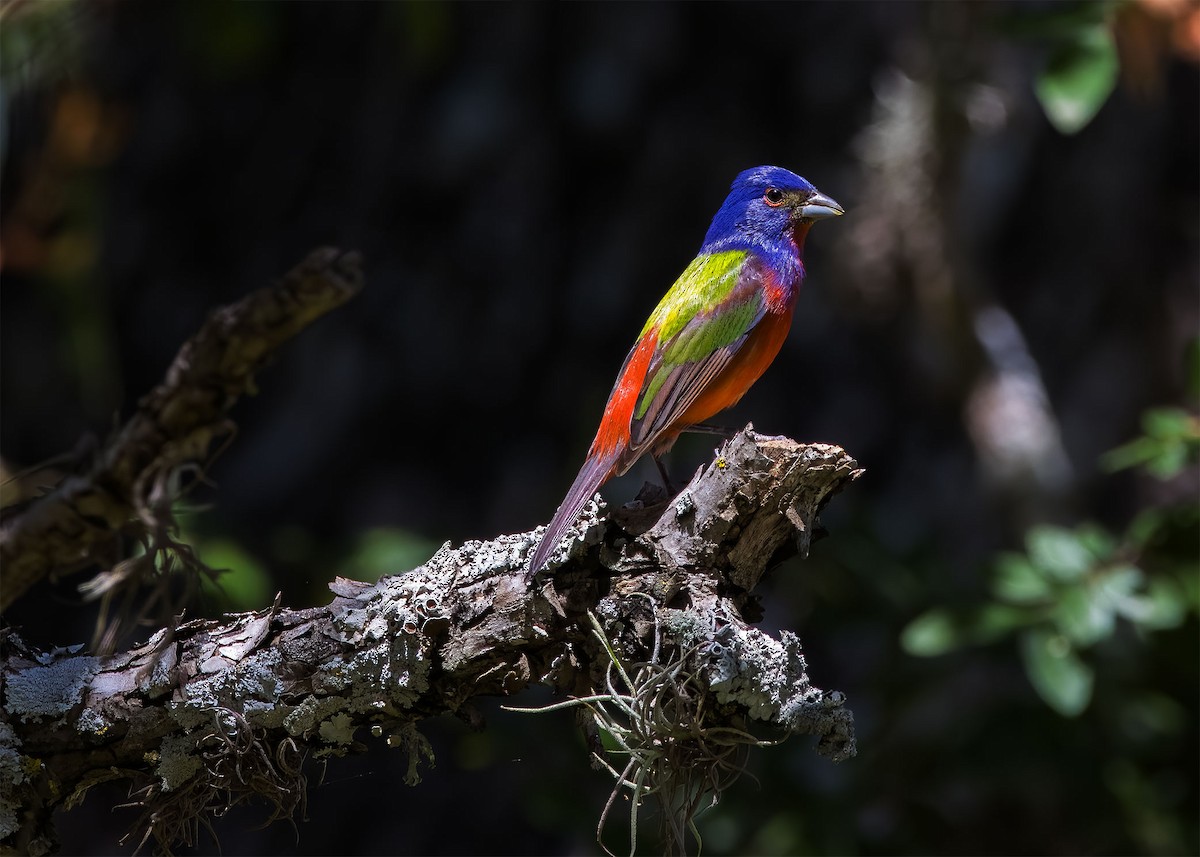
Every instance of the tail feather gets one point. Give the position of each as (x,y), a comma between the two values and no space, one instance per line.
(592,475)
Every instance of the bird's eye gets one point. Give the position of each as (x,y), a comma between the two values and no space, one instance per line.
(773,197)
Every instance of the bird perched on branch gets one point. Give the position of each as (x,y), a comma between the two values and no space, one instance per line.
(713,334)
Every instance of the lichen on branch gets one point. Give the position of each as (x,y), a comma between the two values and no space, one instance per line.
(666,584)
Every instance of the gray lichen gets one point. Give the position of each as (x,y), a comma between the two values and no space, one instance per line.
(306,716)
(249,685)
(177,761)
(338,729)
(49,691)
(255,678)
(91,722)
(757,671)
(685,627)
(12,774)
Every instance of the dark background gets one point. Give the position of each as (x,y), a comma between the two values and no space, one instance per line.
(998,307)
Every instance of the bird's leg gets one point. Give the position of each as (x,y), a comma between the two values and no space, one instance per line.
(723,432)
(662,471)
(707,428)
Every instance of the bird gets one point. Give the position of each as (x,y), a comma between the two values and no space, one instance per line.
(711,336)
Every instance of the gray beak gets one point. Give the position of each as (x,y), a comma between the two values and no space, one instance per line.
(819,206)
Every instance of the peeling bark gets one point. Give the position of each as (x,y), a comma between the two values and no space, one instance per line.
(214,711)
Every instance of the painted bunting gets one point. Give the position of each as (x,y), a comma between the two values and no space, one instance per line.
(712,335)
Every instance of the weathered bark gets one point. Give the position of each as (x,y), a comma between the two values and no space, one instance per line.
(217,710)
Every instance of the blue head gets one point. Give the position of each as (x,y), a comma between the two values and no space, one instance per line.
(768,209)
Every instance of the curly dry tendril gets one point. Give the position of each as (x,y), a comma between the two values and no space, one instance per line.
(659,718)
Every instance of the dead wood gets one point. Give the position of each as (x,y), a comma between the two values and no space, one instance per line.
(218,710)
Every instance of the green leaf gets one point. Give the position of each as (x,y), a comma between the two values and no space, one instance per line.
(1078,78)
(1097,541)
(1117,588)
(931,634)
(1131,454)
(1058,552)
(1144,527)
(1164,606)
(1171,439)
(1172,457)
(997,620)
(1018,580)
(1082,616)
(1167,423)
(1061,679)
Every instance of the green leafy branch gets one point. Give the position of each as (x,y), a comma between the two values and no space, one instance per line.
(1171,440)
(1070,589)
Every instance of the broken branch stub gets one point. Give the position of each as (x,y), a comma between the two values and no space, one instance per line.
(757,495)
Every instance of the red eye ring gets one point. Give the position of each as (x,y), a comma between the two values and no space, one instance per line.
(773,197)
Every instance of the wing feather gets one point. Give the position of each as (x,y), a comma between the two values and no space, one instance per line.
(686,363)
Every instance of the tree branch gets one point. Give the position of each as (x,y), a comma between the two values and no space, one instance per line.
(213,712)
(129,488)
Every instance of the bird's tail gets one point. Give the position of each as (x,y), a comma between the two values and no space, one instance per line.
(592,475)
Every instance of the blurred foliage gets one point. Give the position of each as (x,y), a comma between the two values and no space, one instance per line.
(385,550)
(243,583)
(1171,440)
(1086,607)
(1079,77)
(1070,588)
(1081,63)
